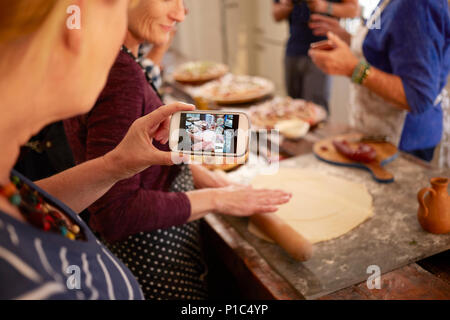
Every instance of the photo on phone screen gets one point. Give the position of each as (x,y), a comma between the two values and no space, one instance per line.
(209,133)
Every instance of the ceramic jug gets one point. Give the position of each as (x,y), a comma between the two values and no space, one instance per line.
(434,207)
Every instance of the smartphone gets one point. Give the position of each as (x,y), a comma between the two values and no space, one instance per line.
(210,133)
(323,45)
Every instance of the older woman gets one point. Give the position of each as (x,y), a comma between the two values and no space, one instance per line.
(399,65)
(49,73)
(144,219)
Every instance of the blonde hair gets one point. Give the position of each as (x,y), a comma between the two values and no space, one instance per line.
(21,17)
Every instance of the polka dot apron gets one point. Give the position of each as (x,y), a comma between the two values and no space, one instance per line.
(168,264)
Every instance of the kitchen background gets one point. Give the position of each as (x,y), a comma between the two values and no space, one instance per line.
(244,35)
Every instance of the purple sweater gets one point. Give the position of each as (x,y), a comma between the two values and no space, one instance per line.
(141,203)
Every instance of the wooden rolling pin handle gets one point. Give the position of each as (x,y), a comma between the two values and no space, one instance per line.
(284,235)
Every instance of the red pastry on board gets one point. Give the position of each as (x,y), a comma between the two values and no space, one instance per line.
(363,153)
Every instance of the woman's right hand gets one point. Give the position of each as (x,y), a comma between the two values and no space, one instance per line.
(136,151)
(243,201)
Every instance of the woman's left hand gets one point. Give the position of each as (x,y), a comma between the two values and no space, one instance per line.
(204,178)
(339,61)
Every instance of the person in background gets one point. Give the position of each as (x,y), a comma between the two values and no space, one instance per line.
(151,220)
(49,73)
(303,79)
(399,71)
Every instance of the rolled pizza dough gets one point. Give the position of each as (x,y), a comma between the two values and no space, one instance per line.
(322,207)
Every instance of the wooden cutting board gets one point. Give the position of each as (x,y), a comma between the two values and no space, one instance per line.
(386,152)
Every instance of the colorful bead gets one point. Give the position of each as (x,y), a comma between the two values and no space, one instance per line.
(36,210)
(64,231)
(9,190)
(49,219)
(15,180)
(36,218)
(47,226)
(75,229)
(15,199)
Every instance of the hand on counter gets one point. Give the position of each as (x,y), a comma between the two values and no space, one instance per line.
(245,201)
(240,201)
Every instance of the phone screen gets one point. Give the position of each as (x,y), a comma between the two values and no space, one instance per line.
(211,133)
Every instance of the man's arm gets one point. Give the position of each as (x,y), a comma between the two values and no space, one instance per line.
(341,61)
(282,10)
(345,9)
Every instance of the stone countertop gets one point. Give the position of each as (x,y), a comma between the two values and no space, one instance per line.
(391,239)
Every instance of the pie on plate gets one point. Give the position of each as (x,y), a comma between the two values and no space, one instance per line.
(270,114)
(293,128)
(235,89)
(199,72)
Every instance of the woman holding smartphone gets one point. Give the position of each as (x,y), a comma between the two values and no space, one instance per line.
(49,73)
(150,221)
(398,64)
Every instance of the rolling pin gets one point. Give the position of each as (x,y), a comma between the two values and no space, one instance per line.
(279,231)
(284,235)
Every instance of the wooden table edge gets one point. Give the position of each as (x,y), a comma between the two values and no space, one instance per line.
(276,286)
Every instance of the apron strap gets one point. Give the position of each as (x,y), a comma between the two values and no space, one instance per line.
(441,97)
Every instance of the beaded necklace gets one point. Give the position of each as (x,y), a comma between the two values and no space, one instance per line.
(37,211)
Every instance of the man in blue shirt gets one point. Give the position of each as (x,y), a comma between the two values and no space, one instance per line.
(400,67)
(303,79)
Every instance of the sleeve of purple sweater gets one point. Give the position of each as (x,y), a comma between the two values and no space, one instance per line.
(127,208)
